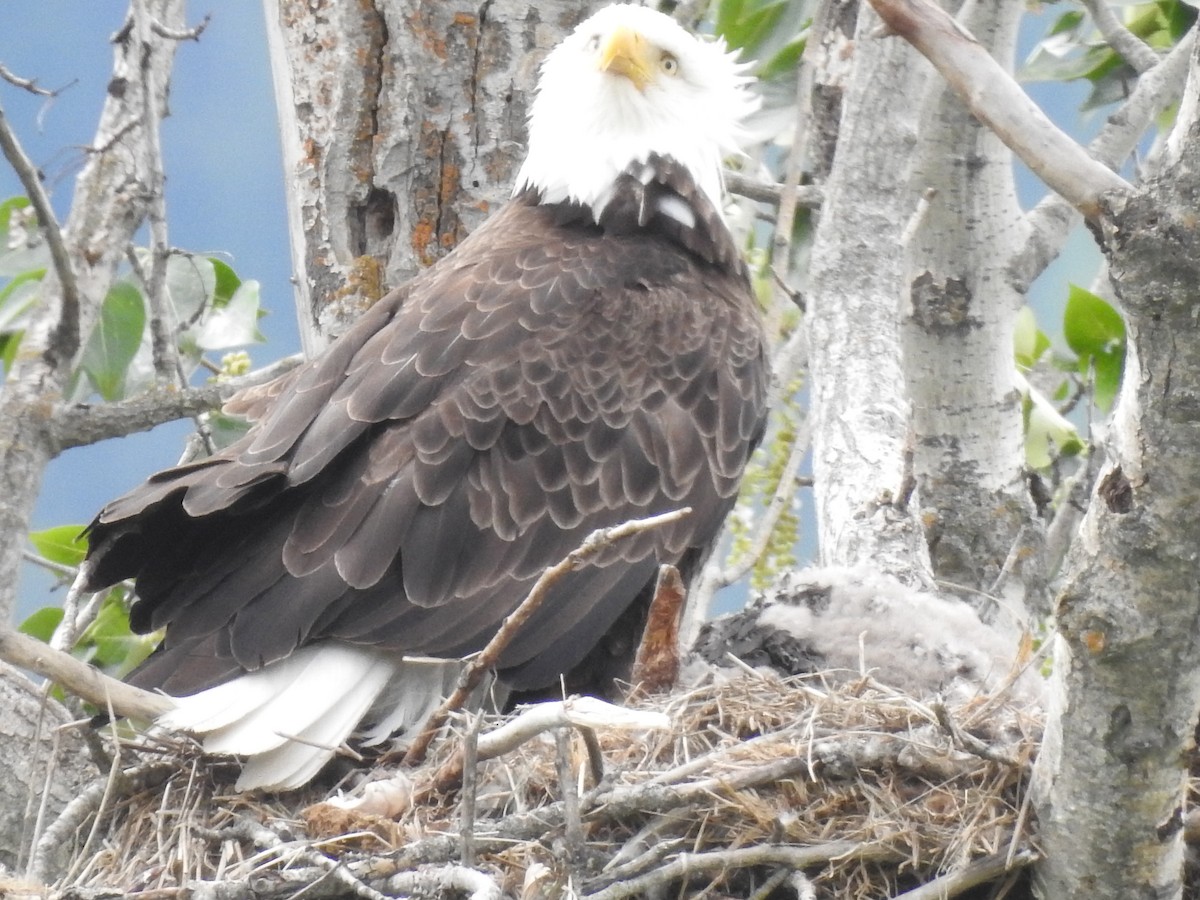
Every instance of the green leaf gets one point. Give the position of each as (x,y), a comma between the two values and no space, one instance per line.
(1095,331)
(18,297)
(191,282)
(227,282)
(9,344)
(43,623)
(115,340)
(1029,342)
(785,61)
(63,544)
(1045,427)
(110,643)
(235,324)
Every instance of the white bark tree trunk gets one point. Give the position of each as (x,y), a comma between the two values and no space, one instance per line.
(1112,772)
(859,407)
(968,442)
(403,125)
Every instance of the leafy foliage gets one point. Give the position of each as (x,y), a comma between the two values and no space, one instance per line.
(1095,334)
(1073,49)
(771,32)
(206,307)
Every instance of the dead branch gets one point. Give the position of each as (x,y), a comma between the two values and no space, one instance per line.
(981,871)
(87,805)
(656,664)
(717,861)
(475,670)
(995,98)
(79,678)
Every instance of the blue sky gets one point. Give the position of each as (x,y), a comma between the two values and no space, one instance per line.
(224,189)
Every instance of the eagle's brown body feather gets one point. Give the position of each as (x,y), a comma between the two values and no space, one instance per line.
(402,491)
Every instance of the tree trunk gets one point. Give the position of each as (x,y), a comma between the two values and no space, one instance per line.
(968,439)
(403,125)
(1111,776)
(859,409)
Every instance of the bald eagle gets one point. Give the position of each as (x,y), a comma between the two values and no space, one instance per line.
(593,353)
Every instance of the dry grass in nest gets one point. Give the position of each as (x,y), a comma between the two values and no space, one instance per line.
(760,788)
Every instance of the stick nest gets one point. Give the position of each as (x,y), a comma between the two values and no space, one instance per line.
(828,785)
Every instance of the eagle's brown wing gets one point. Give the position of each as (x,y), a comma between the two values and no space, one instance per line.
(404,489)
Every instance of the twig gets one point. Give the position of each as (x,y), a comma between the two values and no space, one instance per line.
(474,671)
(573,825)
(578,712)
(180,34)
(964,740)
(443,880)
(996,100)
(66,332)
(30,84)
(67,632)
(79,678)
(82,424)
(717,861)
(981,871)
(784,493)
(106,799)
(48,564)
(87,804)
(466,807)
(1016,552)
(1132,48)
(806,196)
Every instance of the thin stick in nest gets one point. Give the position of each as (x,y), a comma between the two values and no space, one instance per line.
(487,658)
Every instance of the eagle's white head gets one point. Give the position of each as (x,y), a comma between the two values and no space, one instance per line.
(626,83)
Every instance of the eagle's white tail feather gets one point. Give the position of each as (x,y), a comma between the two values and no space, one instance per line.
(414,693)
(318,696)
(294,763)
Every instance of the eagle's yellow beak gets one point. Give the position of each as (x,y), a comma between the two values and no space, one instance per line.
(627,53)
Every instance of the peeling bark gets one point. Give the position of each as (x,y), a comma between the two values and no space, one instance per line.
(403,125)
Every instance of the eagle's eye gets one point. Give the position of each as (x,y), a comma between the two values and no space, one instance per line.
(669,64)
(593,44)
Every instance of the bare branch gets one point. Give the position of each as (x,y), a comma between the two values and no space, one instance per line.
(30,84)
(806,196)
(1132,48)
(474,671)
(180,34)
(79,678)
(82,423)
(999,103)
(981,871)
(66,333)
(717,861)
